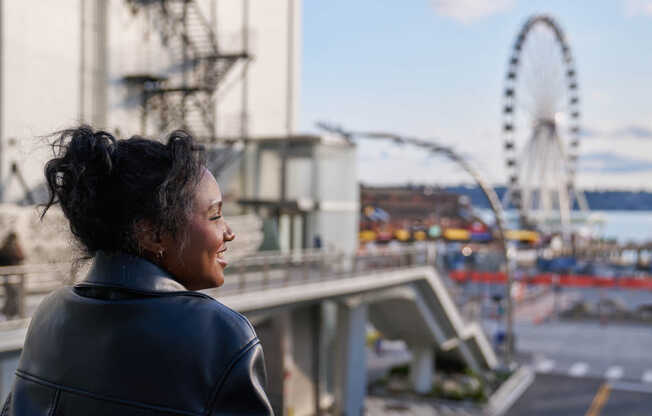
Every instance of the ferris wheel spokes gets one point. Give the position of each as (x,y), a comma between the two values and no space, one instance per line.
(541,124)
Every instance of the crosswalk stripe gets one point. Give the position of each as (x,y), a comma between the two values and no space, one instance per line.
(578,369)
(614,372)
(545,366)
(647,376)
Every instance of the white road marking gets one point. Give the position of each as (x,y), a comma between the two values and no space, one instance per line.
(578,369)
(647,376)
(614,372)
(636,387)
(545,366)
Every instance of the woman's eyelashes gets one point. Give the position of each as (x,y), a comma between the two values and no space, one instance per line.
(215,218)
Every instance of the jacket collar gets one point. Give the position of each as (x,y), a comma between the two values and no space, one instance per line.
(130,272)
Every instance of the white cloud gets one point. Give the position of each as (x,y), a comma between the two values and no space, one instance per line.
(638,8)
(467,11)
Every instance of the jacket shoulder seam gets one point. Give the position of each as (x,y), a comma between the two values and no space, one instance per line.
(218,386)
(36,379)
(236,314)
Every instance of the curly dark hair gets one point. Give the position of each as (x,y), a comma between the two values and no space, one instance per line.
(106,187)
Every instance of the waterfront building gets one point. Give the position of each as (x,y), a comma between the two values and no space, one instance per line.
(416,213)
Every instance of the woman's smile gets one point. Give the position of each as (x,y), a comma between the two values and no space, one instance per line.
(220,258)
(198,262)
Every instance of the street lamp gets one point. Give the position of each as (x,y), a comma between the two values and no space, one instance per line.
(490,193)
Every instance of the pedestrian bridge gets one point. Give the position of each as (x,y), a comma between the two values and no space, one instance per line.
(407,299)
(312,310)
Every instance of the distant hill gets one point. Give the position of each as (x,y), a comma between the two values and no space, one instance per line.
(598,200)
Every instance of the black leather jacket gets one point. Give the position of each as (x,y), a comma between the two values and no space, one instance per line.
(130,340)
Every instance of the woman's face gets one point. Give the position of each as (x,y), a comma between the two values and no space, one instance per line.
(199,263)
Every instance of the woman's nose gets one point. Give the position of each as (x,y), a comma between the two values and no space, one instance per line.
(228,233)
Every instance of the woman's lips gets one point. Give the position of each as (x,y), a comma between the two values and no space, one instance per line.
(220,259)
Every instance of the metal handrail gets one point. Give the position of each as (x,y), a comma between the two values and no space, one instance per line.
(281,269)
(258,272)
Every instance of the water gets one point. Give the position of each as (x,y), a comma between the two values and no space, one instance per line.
(624,226)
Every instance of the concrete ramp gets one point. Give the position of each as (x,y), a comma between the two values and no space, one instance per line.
(411,304)
(423,313)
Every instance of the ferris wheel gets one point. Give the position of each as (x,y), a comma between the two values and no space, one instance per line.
(541,127)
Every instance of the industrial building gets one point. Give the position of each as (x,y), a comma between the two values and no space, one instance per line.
(227,71)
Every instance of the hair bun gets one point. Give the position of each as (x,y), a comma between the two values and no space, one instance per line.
(90,152)
(82,167)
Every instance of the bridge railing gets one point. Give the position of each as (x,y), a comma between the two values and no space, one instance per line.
(17,282)
(276,269)
(258,272)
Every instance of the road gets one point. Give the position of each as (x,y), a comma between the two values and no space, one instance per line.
(580,364)
(563,395)
(615,351)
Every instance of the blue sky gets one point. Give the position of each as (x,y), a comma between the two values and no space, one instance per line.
(436,69)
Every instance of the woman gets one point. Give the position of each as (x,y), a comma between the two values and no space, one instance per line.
(134,338)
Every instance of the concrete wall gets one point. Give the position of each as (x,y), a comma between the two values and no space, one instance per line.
(336,190)
(63,62)
(272,89)
(40,88)
(321,177)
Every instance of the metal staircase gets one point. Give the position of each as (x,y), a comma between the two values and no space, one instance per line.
(186,97)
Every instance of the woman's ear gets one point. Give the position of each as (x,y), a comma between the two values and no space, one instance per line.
(149,239)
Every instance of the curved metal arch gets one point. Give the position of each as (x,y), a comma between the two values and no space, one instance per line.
(478,178)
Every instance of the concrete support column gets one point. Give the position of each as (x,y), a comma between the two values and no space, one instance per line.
(351,360)
(421,368)
(274,335)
